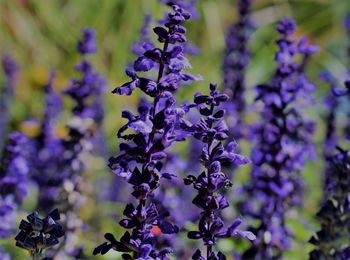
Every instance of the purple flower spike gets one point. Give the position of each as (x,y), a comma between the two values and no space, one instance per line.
(237,57)
(332,240)
(282,144)
(212,131)
(53,154)
(146,137)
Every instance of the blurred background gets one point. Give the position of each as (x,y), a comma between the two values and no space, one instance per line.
(42,35)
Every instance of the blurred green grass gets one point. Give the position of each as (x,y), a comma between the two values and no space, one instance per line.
(43,34)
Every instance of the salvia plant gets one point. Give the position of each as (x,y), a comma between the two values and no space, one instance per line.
(153,130)
(332,240)
(213,132)
(173,203)
(283,141)
(88,92)
(118,191)
(236,60)
(54,154)
(84,133)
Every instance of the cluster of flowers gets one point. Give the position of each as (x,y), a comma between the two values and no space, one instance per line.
(331,240)
(283,139)
(213,131)
(155,128)
(55,163)
(236,60)
(282,142)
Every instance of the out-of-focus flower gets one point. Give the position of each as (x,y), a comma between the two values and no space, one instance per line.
(237,57)
(87,92)
(282,143)
(14,181)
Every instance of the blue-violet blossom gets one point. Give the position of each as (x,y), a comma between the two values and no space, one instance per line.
(283,141)
(153,130)
(212,131)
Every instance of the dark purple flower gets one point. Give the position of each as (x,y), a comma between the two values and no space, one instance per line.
(37,234)
(146,136)
(331,241)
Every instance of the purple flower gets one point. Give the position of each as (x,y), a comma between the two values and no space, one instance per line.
(212,131)
(150,132)
(331,241)
(237,57)
(88,91)
(39,234)
(282,143)
(60,161)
